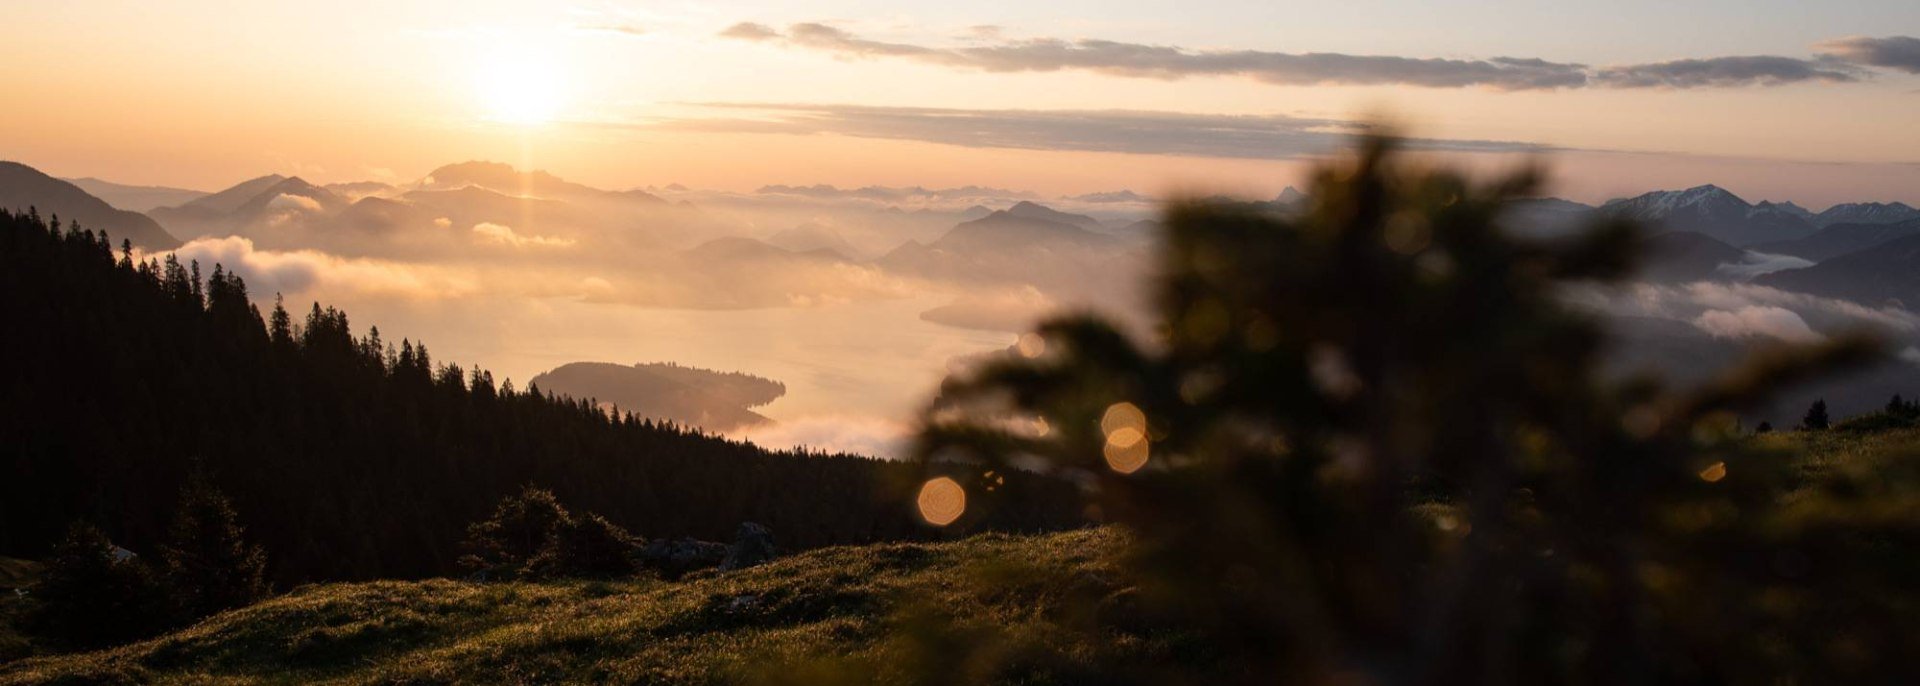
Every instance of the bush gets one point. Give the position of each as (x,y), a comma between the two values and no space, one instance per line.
(586,547)
(530,535)
(520,527)
(87,597)
(209,565)
(1322,375)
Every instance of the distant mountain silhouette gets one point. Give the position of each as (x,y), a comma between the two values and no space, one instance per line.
(355,190)
(204,214)
(274,198)
(235,210)
(1034,210)
(1866,213)
(1005,249)
(135,198)
(22,187)
(710,400)
(1126,196)
(506,179)
(1873,276)
(738,249)
(812,236)
(1681,256)
(1839,239)
(1547,217)
(232,198)
(1714,212)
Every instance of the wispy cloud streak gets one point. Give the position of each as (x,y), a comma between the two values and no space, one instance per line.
(1140,132)
(991,53)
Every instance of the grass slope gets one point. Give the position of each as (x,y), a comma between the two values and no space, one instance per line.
(827,613)
(835,615)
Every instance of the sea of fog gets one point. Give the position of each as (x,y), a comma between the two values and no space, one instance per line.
(855,372)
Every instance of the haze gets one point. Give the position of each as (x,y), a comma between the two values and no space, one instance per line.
(761,182)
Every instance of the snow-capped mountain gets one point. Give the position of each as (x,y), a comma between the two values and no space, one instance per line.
(1713,211)
(1867,213)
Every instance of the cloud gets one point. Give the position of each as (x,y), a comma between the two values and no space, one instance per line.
(1724,72)
(502,234)
(1166,133)
(300,271)
(987,51)
(747,30)
(1123,195)
(896,194)
(1753,264)
(1168,62)
(1741,301)
(1757,321)
(1014,310)
(300,203)
(617,29)
(833,433)
(1896,52)
(985,31)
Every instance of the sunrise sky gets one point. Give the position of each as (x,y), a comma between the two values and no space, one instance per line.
(1812,102)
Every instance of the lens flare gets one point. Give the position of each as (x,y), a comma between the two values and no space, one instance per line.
(942,501)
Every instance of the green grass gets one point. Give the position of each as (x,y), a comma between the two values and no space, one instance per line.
(1052,608)
(827,613)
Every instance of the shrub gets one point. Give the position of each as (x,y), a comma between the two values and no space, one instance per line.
(209,566)
(1321,374)
(520,527)
(586,547)
(90,595)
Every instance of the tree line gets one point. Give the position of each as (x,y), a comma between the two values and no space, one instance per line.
(351,457)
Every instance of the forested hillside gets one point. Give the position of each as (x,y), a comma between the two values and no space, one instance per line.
(351,457)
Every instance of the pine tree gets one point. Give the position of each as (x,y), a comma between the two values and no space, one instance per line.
(209,565)
(88,596)
(280,327)
(1816,419)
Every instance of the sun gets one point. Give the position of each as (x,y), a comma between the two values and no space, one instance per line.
(521,87)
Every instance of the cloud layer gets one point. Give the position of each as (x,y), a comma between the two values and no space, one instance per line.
(1168,133)
(1900,53)
(1722,72)
(1115,58)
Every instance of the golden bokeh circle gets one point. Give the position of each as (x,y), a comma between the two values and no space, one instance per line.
(942,501)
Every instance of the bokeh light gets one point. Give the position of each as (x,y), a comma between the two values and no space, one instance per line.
(942,501)
(1125,427)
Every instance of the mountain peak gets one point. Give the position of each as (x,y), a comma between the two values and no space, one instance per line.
(1290,195)
(1032,210)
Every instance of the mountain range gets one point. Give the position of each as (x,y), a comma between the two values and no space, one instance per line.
(1701,233)
(23,187)
(135,198)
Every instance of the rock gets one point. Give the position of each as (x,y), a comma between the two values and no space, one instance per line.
(673,558)
(752,545)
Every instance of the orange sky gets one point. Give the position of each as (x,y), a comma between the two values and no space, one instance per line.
(202,95)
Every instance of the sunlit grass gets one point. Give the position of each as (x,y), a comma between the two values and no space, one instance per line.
(829,611)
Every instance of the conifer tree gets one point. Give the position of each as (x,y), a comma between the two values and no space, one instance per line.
(280,327)
(209,565)
(1816,419)
(90,595)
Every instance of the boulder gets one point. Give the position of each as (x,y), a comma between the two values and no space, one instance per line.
(675,557)
(752,545)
